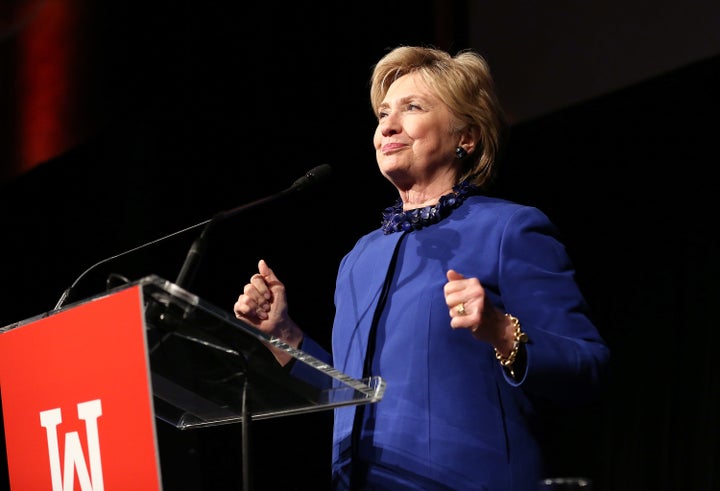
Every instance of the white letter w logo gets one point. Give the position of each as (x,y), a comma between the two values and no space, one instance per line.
(74,459)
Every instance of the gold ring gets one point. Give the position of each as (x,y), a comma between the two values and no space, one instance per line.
(461,309)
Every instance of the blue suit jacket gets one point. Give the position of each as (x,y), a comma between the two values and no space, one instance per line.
(451,418)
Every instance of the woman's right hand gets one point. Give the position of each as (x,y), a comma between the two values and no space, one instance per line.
(263,304)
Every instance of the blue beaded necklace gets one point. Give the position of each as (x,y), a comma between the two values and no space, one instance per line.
(397,220)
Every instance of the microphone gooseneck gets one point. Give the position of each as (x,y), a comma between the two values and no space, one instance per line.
(66,293)
(311,178)
(189,267)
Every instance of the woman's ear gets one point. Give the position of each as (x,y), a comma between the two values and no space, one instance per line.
(470,140)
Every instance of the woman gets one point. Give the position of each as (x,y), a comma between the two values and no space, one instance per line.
(466,305)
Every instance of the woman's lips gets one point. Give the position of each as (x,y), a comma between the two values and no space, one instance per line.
(392,147)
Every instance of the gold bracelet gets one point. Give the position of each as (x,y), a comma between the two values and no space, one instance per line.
(519,338)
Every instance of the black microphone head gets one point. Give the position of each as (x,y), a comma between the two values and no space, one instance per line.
(312,177)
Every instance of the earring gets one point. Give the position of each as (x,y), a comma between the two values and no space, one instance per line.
(460,153)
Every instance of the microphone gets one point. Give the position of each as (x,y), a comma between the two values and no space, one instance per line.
(314,176)
(311,178)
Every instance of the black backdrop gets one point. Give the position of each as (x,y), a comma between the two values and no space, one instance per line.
(208,108)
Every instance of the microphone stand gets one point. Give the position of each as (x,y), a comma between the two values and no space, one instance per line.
(186,276)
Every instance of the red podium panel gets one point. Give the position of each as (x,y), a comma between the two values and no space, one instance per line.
(77,400)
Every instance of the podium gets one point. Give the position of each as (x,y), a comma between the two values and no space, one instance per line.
(83,387)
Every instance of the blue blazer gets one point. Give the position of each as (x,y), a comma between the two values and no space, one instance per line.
(451,418)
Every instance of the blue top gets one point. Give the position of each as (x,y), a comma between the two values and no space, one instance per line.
(451,418)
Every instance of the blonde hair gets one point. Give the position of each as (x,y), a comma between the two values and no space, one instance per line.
(462,82)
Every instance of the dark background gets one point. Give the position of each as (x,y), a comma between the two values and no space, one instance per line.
(190,109)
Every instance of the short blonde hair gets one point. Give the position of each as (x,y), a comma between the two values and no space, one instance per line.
(463,82)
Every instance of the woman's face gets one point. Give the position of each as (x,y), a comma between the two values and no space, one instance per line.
(414,141)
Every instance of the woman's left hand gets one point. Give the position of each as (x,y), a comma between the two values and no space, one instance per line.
(471,309)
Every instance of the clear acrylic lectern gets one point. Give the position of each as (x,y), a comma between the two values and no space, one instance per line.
(146,351)
(208,368)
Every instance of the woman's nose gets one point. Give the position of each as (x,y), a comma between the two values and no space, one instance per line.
(390,125)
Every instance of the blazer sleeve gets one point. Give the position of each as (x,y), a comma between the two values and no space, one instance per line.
(567,359)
